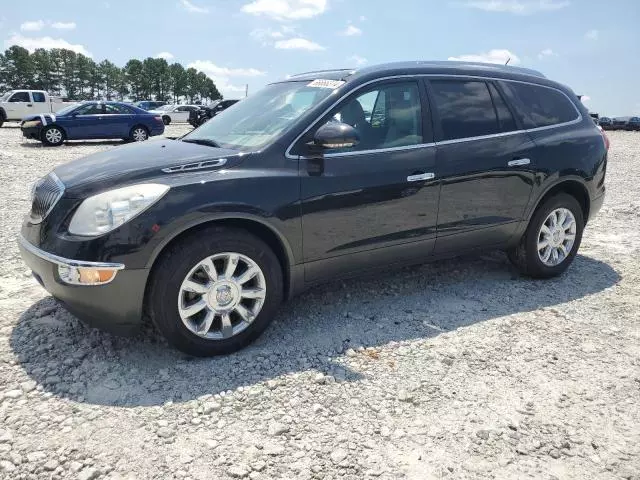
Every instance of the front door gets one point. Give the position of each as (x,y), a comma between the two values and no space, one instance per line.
(180,114)
(86,122)
(19,106)
(485,163)
(374,204)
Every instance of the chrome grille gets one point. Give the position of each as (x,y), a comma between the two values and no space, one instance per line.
(46,193)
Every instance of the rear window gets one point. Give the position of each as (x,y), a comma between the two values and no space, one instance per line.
(466,109)
(38,97)
(539,106)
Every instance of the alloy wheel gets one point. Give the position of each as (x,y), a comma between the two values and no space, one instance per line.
(222,295)
(556,237)
(53,135)
(139,134)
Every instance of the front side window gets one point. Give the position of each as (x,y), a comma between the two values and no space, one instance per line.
(20,97)
(90,109)
(262,117)
(539,106)
(113,109)
(465,109)
(386,116)
(38,97)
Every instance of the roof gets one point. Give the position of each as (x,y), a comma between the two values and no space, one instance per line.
(420,67)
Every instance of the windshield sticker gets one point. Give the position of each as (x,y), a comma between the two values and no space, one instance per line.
(320,83)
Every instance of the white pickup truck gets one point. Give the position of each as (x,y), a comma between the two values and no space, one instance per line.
(17,104)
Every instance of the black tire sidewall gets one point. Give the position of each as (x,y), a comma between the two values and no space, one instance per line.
(43,136)
(166,120)
(176,264)
(534,265)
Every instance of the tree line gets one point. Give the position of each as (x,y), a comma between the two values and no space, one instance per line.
(75,76)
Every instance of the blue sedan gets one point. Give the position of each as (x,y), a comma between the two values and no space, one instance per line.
(91,121)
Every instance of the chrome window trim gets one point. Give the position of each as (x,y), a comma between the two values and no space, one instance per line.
(442,142)
(66,262)
(377,150)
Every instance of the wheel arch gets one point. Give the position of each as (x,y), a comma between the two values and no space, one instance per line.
(254,225)
(3,114)
(572,186)
(58,126)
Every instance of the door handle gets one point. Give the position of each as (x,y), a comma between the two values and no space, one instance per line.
(517,162)
(420,176)
(29,105)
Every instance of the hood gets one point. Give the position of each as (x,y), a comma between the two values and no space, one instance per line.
(134,162)
(45,118)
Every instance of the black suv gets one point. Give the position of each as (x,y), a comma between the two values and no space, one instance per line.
(633,124)
(605,122)
(204,113)
(297,185)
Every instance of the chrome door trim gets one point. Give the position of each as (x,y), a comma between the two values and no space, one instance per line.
(443,142)
(421,177)
(519,162)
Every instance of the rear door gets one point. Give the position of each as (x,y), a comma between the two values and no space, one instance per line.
(117,120)
(180,114)
(485,163)
(19,105)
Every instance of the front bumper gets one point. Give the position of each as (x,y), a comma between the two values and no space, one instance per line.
(31,132)
(115,307)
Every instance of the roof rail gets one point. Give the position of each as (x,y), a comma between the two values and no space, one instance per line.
(322,71)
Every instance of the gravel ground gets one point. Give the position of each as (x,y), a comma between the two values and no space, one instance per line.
(457,369)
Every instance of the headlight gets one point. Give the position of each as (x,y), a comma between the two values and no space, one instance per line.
(106,211)
(31,123)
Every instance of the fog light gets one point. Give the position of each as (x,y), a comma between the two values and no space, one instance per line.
(85,276)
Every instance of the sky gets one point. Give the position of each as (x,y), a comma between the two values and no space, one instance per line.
(591,45)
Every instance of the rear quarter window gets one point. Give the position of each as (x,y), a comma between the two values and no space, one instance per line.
(539,106)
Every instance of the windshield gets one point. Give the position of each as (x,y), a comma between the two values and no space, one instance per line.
(261,118)
(68,109)
(6,96)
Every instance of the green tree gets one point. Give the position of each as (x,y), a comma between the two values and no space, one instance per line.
(43,73)
(18,67)
(133,74)
(178,79)
(109,74)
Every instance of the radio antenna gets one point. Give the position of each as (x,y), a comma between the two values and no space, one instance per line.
(508,60)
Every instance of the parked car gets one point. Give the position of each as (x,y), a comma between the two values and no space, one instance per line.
(17,104)
(204,113)
(293,187)
(620,123)
(633,124)
(149,104)
(175,113)
(605,122)
(93,120)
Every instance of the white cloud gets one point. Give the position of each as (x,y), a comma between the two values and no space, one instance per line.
(221,75)
(546,53)
(351,31)
(493,56)
(592,34)
(31,43)
(585,98)
(191,8)
(357,60)
(165,55)
(298,44)
(64,25)
(267,36)
(32,26)
(211,68)
(363,18)
(520,7)
(286,9)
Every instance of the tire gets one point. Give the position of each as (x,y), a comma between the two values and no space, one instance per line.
(526,256)
(52,136)
(139,134)
(166,120)
(179,263)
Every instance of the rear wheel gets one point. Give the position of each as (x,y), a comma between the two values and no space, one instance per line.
(166,120)
(52,136)
(138,134)
(215,292)
(552,238)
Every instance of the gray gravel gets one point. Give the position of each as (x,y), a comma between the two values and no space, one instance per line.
(457,369)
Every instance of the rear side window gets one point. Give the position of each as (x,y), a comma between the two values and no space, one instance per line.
(113,109)
(505,119)
(539,106)
(465,109)
(38,97)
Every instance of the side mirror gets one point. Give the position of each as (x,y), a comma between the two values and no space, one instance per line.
(336,135)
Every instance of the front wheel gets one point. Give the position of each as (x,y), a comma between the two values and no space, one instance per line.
(166,120)
(215,292)
(52,136)
(552,238)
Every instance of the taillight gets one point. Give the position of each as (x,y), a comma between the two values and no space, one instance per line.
(607,142)
(158,118)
